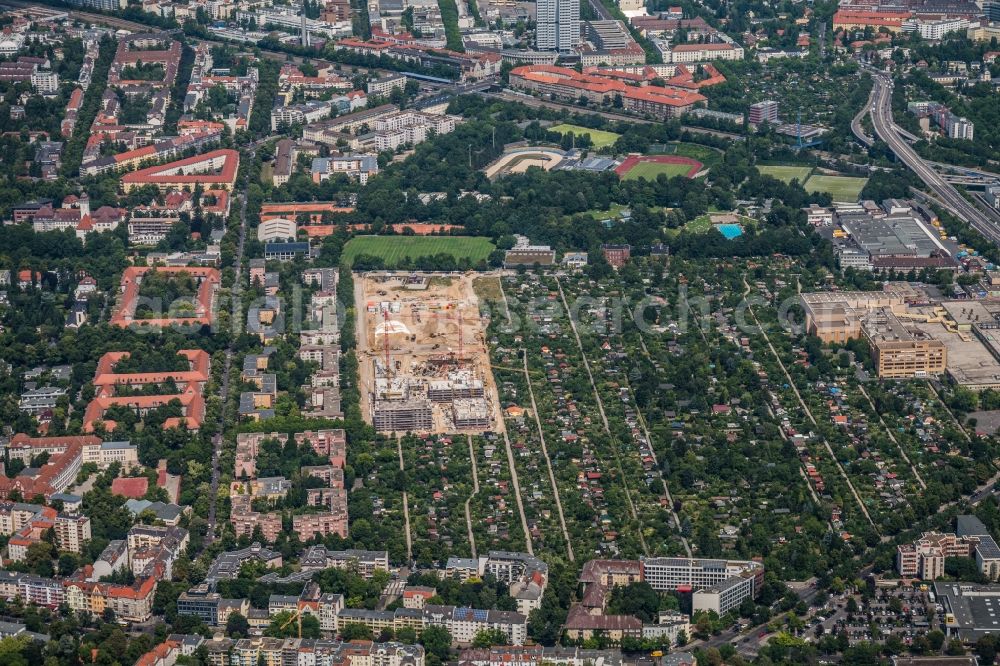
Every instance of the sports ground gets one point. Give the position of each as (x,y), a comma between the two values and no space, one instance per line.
(786,173)
(393,249)
(599,138)
(841,188)
(651,166)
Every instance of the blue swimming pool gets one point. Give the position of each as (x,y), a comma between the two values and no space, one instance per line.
(730,231)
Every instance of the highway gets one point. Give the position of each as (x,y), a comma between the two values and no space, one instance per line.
(856,127)
(881,113)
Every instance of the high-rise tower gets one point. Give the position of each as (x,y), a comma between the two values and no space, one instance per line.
(557,25)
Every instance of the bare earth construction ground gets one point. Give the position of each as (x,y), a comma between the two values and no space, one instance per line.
(424,342)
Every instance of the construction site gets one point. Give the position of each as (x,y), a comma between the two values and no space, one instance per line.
(422,355)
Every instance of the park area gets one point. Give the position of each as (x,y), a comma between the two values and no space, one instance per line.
(651,166)
(393,249)
(599,138)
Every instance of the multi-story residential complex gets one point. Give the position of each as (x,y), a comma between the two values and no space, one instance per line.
(52,478)
(694,53)
(189,384)
(355,167)
(409,128)
(292,80)
(935,28)
(212,170)
(72,532)
(462,623)
(763,112)
(557,25)
(46,83)
(363,562)
(311,525)
(925,557)
(386,84)
(241,89)
(953,126)
(24,448)
(227,565)
(719,585)
(278,652)
(568,84)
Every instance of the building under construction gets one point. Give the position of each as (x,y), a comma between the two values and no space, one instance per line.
(403,415)
(459,384)
(421,347)
(470,413)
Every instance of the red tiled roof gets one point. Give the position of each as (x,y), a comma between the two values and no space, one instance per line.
(157,175)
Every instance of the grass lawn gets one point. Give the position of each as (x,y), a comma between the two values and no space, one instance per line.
(615,211)
(392,249)
(699,225)
(704,154)
(786,173)
(650,170)
(841,188)
(600,138)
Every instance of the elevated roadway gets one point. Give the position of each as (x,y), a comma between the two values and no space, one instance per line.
(986,222)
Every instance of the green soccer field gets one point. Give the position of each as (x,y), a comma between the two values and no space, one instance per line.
(786,173)
(600,138)
(393,249)
(841,188)
(650,170)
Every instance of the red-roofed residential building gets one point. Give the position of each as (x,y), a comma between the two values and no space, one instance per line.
(189,382)
(209,279)
(215,169)
(72,111)
(50,479)
(569,84)
(164,654)
(855,19)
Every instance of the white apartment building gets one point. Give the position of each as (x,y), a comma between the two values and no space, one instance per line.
(935,29)
(46,83)
(557,25)
(716,584)
(960,128)
(409,127)
(386,84)
(72,532)
(688,53)
(723,597)
(104,454)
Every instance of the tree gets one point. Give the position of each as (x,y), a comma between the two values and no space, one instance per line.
(437,642)
(354,631)
(986,648)
(237,626)
(487,638)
